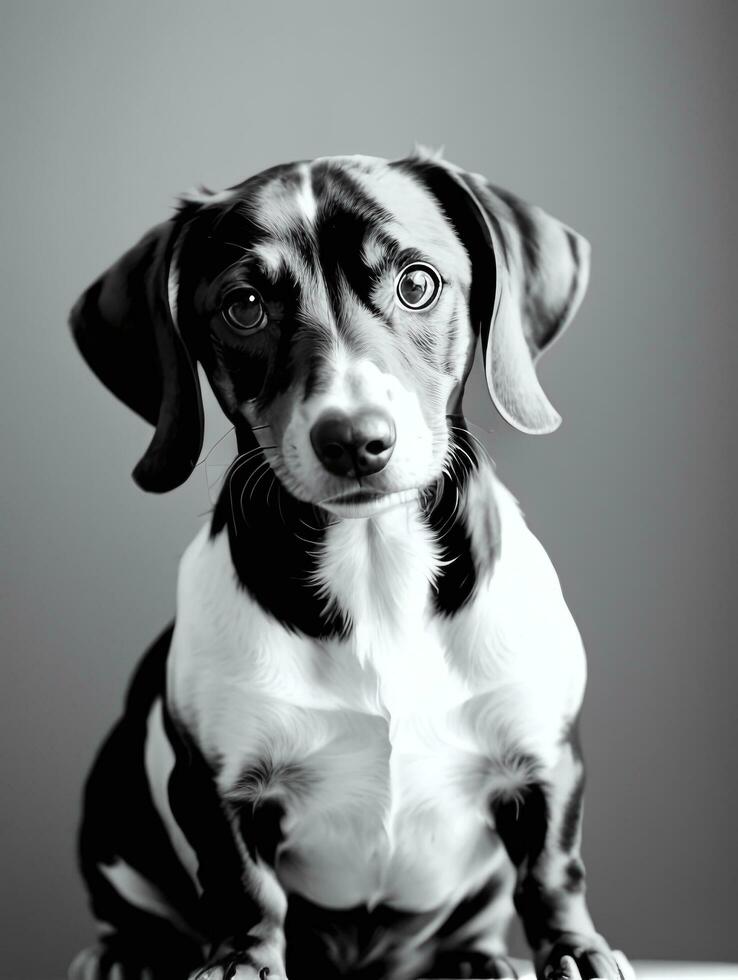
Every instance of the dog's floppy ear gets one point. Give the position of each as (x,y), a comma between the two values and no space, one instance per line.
(529,276)
(125,327)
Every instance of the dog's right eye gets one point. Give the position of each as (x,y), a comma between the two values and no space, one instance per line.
(244,310)
(418,286)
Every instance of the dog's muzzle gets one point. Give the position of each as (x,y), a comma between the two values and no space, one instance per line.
(354,445)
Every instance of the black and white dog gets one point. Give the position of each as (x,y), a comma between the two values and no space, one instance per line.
(355,752)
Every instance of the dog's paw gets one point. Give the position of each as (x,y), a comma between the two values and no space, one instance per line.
(101,963)
(575,957)
(236,971)
(252,964)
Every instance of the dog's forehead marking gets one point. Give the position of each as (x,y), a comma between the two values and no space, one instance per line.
(282,203)
(305,197)
(314,302)
(417,222)
(287,203)
(294,203)
(355,162)
(270,256)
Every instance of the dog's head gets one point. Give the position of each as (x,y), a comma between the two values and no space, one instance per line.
(335,307)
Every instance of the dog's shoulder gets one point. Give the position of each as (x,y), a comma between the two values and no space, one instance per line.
(517,632)
(219,630)
(520,566)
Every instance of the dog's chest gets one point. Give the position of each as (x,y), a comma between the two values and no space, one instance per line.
(380,780)
(381,750)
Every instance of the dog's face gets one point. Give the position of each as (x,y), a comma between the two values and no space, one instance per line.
(335,307)
(328,305)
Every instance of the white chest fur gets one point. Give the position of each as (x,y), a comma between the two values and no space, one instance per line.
(384,748)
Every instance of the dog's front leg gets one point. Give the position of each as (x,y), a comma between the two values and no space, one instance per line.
(234,841)
(541,833)
(252,946)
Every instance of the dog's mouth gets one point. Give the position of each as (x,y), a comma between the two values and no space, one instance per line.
(366,502)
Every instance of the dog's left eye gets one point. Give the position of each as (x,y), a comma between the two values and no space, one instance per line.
(244,310)
(418,286)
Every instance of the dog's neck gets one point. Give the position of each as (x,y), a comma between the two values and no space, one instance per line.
(378,572)
(329,577)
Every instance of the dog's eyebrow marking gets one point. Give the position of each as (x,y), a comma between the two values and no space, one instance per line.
(373,251)
(271,258)
(423,226)
(409,255)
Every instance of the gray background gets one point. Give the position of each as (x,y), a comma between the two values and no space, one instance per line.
(616,117)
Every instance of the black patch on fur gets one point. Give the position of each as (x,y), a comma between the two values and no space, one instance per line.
(470,907)
(572,815)
(345,215)
(257,366)
(469,227)
(261,828)
(120,821)
(260,813)
(114,358)
(457,576)
(228,911)
(526,230)
(288,348)
(124,330)
(522,825)
(525,826)
(575,875)
(265,364)
(481,192)
(273,540)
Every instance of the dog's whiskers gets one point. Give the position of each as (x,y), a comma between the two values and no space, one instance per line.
(472,436)
(317,529)
(215,445)
(261,469)
(238,463)
(243,458)
(246,457)
(446,526)
(253,489)
(241,248)
(271,486)
(450,464)
(472,462)
(307,541)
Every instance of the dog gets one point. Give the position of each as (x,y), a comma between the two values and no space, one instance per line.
(355,751)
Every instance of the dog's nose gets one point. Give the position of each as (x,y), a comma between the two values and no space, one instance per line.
(354,445)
